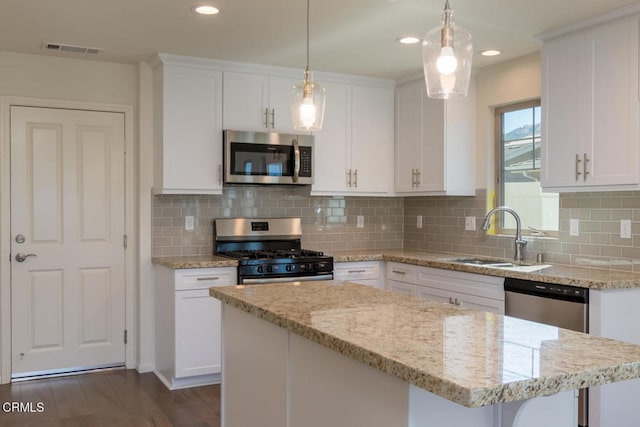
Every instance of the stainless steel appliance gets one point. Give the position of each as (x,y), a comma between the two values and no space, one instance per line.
(267,158)
(269,250)
(557,305)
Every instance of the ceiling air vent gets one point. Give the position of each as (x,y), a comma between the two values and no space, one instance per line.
(71,48)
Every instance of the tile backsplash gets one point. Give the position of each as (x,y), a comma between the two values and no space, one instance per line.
(599,243)
(329,223)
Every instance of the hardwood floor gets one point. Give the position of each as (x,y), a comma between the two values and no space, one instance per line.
(111,398)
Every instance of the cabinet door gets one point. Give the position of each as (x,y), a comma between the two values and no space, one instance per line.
(408,141)
(612,59)
(434,294)
(372,139)
(563,115)
(330,151)
(198,336)
(479,303)
(280,103)
(432,173)
(246,101)
(188,112)
(401,287)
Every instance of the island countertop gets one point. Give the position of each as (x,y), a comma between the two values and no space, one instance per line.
(470,357)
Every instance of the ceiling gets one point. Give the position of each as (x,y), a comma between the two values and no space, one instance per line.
(347,36)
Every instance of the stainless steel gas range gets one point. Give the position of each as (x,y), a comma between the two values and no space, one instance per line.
(269,250)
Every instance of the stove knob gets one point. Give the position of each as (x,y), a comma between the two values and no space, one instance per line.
(260,269)
(290,267)
(269,269)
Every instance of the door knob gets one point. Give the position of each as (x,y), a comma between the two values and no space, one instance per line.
(22,257)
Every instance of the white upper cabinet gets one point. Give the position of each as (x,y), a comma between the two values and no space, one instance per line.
(187,126)
(435,142)
(354,149)
(257,102)
(591,109)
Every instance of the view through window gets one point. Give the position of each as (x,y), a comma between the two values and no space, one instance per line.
(519,142)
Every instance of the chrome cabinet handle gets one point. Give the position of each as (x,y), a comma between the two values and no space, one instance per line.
(355,178)
(413,178)
(273,117)
(585,172)
(207,279)
(398,272)
(450,300)
(418,177)
(296,161)
(356,271)
(266,118)
(219,174)
(578,173)
(23,257)
(349,178)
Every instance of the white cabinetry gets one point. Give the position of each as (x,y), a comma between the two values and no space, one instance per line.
(475,291)
(354,149)
(362,272)
(187,321)
(435,142)
(187,126)
(591,109)
(258,102)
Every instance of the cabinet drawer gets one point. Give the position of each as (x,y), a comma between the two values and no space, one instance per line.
(464,283)
(204,278)
(401,287)
(356,270)
(401,272)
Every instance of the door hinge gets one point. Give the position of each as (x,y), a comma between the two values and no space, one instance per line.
(125,336)
(124,241)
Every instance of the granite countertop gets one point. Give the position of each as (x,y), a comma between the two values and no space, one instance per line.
(586,277)
(470,357)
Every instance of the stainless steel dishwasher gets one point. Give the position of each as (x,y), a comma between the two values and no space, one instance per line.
(557,305)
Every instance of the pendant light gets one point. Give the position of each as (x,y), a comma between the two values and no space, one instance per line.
(307,98)
(447,53)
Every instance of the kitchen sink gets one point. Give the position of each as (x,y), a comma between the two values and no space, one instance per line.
(501,264)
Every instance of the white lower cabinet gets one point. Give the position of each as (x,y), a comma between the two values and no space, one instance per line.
(362,272)
(470,290)
(188,337)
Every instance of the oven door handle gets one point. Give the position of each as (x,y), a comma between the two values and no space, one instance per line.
(296,161)
(286,279)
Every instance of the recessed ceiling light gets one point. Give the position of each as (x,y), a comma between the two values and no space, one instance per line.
(409,40)
(490,52)
(206,10)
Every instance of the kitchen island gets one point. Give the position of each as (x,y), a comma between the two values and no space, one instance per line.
(336,353)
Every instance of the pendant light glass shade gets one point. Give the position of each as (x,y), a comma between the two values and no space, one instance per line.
(447,54)
(307,104)
(307,98)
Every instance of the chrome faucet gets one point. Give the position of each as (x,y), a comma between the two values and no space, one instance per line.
(520,242)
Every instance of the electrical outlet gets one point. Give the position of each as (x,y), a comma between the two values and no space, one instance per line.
(189,223)
(470,223)
(625,228)
(574,227)
(419,221)
(360,221)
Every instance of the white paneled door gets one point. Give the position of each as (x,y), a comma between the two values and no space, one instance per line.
(67,239)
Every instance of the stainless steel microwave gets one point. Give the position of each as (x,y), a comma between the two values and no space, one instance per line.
(267,158)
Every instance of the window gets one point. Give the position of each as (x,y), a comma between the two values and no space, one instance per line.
(518,143)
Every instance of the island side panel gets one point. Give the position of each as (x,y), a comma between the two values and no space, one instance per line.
(615,314)
(330,389)
(254,371)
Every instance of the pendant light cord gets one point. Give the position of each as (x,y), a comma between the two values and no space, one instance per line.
(308,1)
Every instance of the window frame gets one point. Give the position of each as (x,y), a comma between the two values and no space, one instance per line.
(499,168)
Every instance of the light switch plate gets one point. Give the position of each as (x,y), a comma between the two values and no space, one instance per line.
(574,227)
(625,228)
(470,223)
(360,221)
(189,223)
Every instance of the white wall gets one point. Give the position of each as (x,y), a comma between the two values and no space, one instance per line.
(511,81)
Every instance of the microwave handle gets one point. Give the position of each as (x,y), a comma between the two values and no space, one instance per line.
(296,161)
